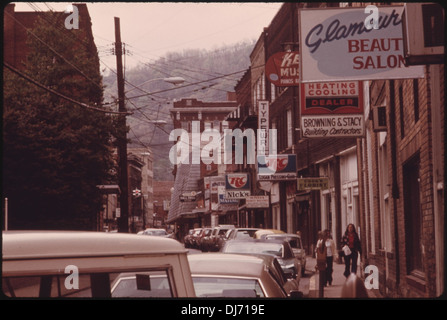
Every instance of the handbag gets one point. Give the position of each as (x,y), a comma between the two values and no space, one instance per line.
(321,258)
(346,250)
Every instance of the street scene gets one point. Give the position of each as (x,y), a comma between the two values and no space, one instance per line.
(292,151)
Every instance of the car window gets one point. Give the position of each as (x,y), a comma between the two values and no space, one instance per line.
(227,287)
(147,285)
(101,285)
(275,249)
(158,233)
(245,234)
(228,234)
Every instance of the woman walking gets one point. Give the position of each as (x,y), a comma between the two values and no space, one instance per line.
(352,241)
(330,254)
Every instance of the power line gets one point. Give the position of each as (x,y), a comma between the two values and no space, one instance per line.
(184,86)
(57,93)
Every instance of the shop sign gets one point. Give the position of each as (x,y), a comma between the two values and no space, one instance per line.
(278,167)
(320,183)
(237,185)
(263,127)
(252,202)
(188,196)
(282,69)
(223,200)
(206,187)
(337,44)
(332,109)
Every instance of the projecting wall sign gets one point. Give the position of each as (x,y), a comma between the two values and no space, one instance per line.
(332,109)
(336,45)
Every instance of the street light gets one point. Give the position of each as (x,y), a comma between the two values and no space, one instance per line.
(172,80)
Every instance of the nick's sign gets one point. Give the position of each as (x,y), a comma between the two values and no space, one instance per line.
(237,185)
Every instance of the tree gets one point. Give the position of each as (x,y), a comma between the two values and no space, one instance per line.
(55,152)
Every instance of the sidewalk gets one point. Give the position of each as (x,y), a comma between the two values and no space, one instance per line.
(333,291)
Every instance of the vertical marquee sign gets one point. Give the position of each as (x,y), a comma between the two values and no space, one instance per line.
(336,45)
(332,109)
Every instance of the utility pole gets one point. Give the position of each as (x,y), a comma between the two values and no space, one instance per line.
(123,220)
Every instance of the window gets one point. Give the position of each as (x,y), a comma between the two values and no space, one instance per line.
(416,99)
(227,287)
(145,283)
(402,114)
(413,216)
(385,212)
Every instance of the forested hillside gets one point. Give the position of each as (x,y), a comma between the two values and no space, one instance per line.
(208,75)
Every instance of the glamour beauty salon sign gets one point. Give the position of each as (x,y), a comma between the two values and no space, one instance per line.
(336,45)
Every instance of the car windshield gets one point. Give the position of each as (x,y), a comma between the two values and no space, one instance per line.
(227,287)
(294,242)
(155,232)
(245,234)
(275,249)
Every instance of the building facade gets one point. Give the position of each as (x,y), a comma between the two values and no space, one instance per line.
(191,205)
(389,182)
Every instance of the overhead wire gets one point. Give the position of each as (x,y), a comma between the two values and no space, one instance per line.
(84,105)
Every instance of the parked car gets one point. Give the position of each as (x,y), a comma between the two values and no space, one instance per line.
(291,286)
(251,277)
(195,235)
(280,249)
(217,275)
(237,233)
(217,234)
(297,247)
(204,240)
(260,234)
(157,232)
(73,264)
(187,239)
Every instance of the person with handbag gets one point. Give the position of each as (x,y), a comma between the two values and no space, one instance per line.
(352,248)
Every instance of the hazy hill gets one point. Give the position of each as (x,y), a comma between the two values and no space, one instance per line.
(208,75)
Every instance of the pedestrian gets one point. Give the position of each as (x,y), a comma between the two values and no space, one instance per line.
(320,254)
(330,254)
(320,251)
(352,248)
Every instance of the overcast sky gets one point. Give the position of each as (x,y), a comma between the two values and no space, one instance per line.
(152,29)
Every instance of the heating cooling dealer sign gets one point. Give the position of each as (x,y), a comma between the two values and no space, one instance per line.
(332,109)
(336,45)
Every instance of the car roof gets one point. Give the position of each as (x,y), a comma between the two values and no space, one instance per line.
(252,240)
(217,264)
(282,235)
(53,244)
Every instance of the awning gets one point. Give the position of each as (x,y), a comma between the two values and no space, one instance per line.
(186,181)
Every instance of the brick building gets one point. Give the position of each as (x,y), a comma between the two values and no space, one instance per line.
(189,205)
(17,24)
(403,170)
(389,182)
